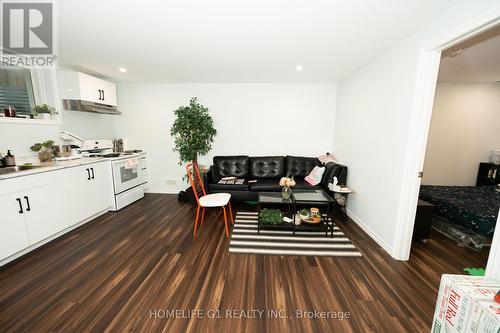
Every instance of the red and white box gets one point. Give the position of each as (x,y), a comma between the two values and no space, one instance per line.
(484,317)
(457,294)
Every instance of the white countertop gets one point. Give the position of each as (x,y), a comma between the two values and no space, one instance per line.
(54,165)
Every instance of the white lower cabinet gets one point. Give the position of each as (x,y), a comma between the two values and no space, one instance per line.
(36,207)
(88,189)
(13,234)
(101,189)
(44,211)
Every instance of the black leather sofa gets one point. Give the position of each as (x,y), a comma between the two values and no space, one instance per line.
(267,171)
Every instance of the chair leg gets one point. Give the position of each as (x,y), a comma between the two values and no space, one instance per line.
(231,213)
(202,215)
(196,221)
(225,221)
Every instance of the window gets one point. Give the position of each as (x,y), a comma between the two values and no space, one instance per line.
(16,89)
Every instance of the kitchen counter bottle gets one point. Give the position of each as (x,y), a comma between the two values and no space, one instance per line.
(9,159)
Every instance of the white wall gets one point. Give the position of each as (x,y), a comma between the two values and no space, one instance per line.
(373,120)
(465,127)
(20,137)
(252,119)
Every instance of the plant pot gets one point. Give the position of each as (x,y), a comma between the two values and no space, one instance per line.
(286,192)
(45,156)
(44,116)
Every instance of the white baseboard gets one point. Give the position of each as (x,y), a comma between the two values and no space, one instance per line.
(161,190)
(383,244)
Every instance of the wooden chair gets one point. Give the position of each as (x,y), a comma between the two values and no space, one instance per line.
(206,201)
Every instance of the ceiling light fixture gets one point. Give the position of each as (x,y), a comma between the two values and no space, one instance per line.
(299,68)
(122,69)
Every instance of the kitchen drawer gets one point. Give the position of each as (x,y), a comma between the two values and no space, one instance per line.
(127,197)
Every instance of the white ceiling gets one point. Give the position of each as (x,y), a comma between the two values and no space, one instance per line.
(479,60)
(234,41)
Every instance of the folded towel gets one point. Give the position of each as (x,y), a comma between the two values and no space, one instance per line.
(131,163)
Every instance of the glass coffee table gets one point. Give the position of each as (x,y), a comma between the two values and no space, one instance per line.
(299,199)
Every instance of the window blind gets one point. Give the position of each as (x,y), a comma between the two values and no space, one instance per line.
(16,90)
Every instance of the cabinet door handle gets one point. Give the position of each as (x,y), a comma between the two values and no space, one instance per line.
(20,205)
(103,95)
(92,172)
(88,174)
(100,94)
(27,203)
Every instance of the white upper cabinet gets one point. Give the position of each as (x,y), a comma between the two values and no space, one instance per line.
(81,86)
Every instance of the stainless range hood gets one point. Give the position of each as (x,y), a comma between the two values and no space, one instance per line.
(86,106)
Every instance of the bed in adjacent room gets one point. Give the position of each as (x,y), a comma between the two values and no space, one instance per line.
(474,208)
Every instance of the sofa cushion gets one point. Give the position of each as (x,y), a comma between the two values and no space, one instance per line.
(267,167)
(299,167)
(333,169)
(266,184)
(230,166)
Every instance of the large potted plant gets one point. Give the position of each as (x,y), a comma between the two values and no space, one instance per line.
(193,132)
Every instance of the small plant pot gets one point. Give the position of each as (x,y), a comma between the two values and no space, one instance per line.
(44,116)
(45,156)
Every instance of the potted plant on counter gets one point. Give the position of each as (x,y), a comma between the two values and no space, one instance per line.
(45,112)
(45,150)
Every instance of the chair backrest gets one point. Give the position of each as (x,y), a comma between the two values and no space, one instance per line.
(193,173)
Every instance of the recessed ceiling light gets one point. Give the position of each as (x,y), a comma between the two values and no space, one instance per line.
(299,68)
(122,69)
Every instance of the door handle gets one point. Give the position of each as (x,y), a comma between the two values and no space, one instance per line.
(27,203)
(88,174)
(20,205)
(92,172)
(100,95)
(103,95)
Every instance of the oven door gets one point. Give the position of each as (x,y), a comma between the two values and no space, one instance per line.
(125,178)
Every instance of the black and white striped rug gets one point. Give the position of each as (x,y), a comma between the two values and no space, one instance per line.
(245,239)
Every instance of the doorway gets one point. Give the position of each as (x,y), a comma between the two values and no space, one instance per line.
(461,170)
(422,110)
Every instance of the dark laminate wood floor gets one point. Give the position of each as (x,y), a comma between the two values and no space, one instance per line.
(110,274)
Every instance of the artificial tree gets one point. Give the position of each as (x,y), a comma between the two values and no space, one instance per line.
(193,131)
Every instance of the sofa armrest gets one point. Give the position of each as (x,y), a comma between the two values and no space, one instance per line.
(342,177)
(334,170)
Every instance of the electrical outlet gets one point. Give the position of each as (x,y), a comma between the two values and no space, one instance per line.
(171,183)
